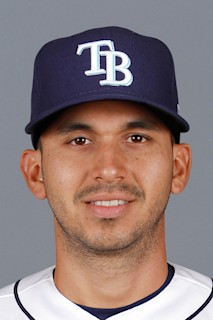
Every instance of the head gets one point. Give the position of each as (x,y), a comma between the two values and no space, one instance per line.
(104,64)
(107,169)
(107,131)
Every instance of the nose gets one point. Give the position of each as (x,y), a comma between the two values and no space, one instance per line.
(109,164)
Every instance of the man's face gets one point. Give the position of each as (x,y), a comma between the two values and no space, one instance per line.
(107,168)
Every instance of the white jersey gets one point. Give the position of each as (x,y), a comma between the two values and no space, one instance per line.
(187,296)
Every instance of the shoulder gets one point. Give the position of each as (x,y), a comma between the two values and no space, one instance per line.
(9,308)
(192,279)
(194,290)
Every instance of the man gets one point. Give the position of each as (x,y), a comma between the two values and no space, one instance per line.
(105,127)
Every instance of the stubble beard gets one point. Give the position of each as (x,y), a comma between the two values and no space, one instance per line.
(107,247)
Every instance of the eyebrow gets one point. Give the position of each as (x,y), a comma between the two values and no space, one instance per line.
(75,126)
(142,124)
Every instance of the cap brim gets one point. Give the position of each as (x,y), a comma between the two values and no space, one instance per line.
(177,121)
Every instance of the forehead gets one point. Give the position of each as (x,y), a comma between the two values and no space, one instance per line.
(101,112)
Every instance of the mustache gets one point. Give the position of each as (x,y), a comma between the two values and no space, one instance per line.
(95,189)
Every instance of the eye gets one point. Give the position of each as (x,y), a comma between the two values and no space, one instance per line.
(137,138)
(80,141)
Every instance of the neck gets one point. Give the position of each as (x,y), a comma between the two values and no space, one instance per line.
(111,281)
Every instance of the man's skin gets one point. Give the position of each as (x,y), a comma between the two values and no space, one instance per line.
(108,256)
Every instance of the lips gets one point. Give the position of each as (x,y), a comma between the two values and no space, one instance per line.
(108,206)
(109,203)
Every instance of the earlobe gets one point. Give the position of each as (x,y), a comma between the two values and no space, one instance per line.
(181,167)
(30,165)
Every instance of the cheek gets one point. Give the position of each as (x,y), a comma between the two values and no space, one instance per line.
(153,170)
(62,174)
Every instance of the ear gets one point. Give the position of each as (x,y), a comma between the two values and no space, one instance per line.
(30,165)
(182,160)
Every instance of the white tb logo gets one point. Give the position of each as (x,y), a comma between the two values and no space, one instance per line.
(111,67)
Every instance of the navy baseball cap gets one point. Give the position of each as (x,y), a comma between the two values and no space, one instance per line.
(99,64)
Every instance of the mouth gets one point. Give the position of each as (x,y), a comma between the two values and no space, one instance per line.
(109,203)
(108,208)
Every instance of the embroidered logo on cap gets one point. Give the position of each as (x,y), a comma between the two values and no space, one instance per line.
(111,67)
